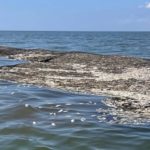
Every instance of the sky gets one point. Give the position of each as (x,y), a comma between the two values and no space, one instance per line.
(75,15)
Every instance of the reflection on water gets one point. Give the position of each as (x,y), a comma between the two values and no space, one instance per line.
(40,119)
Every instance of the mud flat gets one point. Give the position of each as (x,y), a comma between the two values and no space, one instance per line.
(126,80)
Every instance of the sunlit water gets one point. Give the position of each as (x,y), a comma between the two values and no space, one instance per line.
(38,118)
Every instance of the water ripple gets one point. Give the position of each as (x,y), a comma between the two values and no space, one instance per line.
(40,118)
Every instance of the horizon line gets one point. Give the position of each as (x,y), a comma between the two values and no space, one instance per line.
(74,30)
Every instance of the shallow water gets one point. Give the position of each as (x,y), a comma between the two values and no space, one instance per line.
(39,118)
(4,61)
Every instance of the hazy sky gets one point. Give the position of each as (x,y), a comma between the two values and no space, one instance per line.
(78,15)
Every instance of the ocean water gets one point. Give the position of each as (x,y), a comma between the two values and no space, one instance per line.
(39,118)
(117,43)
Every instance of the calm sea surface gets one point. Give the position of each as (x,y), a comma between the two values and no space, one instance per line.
(120,43)
(38,118)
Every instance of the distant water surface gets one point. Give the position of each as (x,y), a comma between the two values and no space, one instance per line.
(120,43)
(38,118)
